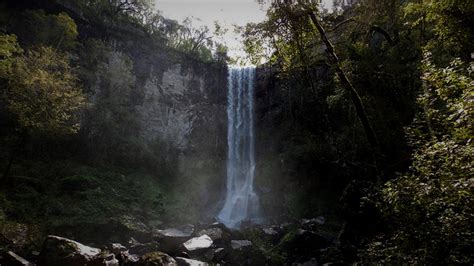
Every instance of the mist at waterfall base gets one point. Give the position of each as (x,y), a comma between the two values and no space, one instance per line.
(241,201)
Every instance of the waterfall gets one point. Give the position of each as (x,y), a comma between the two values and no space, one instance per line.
(241,202)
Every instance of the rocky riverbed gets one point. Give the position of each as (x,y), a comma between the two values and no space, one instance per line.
(304,242)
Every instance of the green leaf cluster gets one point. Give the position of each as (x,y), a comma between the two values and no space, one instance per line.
(43,92)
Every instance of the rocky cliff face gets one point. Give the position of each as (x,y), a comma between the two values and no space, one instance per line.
(180,100)
(184,104)
(177,101)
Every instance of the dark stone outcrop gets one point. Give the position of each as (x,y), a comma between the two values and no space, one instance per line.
(171,239)
(59,251)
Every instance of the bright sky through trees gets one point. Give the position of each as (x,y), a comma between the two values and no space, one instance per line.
(225,12)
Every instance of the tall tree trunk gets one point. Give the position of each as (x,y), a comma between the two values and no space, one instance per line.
(356,100)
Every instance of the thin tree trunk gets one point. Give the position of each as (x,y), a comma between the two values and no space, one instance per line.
(356,100)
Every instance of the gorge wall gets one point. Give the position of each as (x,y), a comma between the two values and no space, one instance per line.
(167,108)
(178,103)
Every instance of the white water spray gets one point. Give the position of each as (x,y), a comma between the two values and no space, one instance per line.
(241,202)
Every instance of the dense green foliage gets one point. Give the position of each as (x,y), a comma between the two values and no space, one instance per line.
(36,28)
(409,61)
(429,209)
(43,93)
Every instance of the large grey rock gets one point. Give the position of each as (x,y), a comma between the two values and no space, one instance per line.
(171,239)
(59,251)
(218,235)
(197,244)
(183,232)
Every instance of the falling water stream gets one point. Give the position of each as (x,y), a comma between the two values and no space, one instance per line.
(241,203)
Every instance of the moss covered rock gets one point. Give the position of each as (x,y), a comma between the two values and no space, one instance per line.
(156,258)
(58,251)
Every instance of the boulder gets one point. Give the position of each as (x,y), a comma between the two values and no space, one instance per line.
(171,239)
(58,251)
(135,247)
(198,245)
(155,258)
(189,262)
(218,235)
(12,259)
(184,232)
